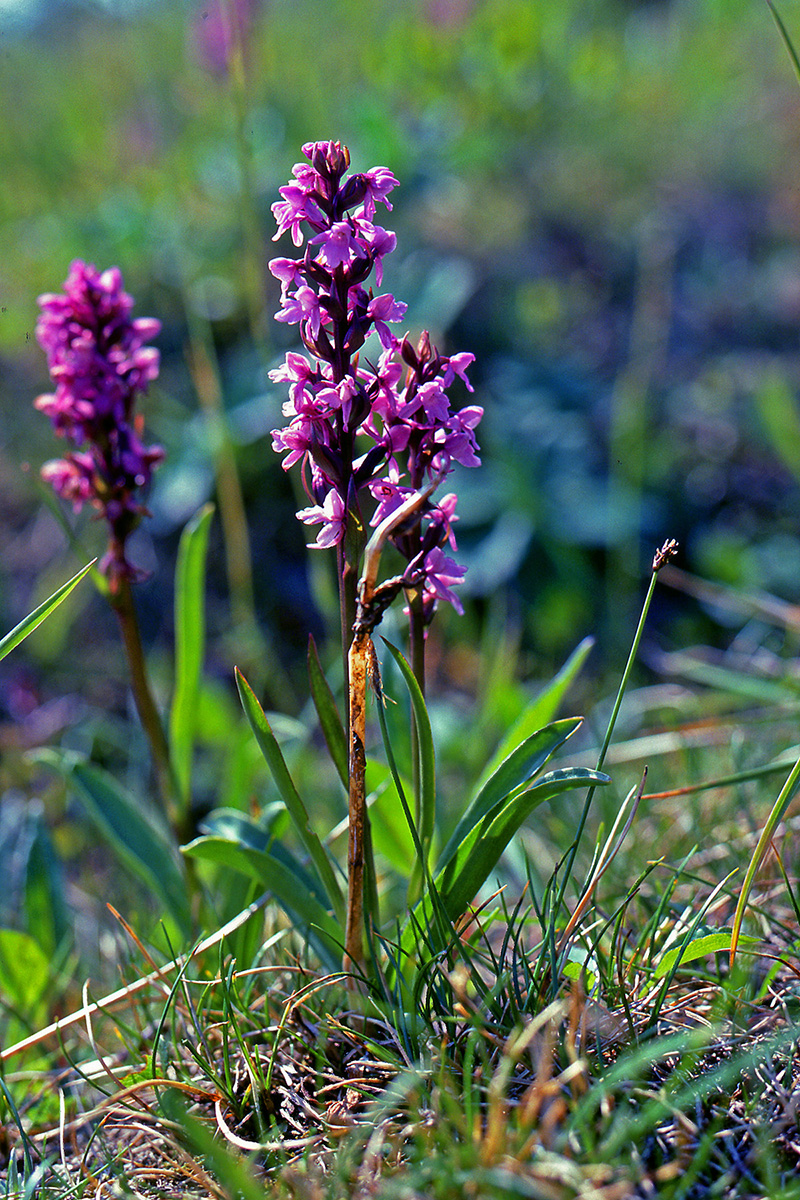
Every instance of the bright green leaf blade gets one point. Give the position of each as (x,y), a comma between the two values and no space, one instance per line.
(391,836)
(247,836)
(289,884)
(480,851)
(24,974)
(137,841)
(291,797)
(26,626)
(716,942)
(234,825)
(328,713)
(427,754)
(190,636)
(518,767)
(543,708)
(778,809)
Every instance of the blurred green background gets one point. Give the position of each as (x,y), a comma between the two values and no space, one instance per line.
(599,200)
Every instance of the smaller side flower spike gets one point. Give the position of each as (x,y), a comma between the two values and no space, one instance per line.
(99,362)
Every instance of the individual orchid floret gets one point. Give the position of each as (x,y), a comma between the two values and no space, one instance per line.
(331,515)
(100,363)
(442,574)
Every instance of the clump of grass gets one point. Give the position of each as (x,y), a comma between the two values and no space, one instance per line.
(219,1080)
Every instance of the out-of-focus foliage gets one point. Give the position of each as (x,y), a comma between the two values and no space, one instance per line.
(116,138)
(598,200)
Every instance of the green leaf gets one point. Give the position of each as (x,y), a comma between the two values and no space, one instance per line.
(232,824)
(26,626)
(291,885)
(543,708)
(701,943)
(46,913)
(291,797)
(391,836)
(138,842)
(328,713)
(479,852)
(521,765)
(190,636)
(777,407)
(427,755)
(24,974)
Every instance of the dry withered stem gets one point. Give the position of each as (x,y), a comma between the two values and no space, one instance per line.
(372,601)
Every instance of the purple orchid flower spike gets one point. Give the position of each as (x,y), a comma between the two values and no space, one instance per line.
(367,435)
(100,363)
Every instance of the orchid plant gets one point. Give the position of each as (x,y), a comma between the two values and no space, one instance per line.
(374,439)
(372,423)
(101,363)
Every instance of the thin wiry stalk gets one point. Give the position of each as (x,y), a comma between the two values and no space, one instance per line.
(661,557)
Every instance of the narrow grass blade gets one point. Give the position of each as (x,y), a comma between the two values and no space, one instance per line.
(289,793)
(29,623)
(293,888)
(778,809)
(26,1143)
(770,768)
(516,769)
(787,41)
(427,756)
(190,636)
(137,841)
(328,713)
(543,708)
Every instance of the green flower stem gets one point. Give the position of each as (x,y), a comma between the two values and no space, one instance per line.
(121,597)
(662,556)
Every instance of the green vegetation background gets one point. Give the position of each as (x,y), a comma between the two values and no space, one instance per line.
(598,199)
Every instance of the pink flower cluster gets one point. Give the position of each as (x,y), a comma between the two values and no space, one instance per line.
(368,434)
(99,363)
